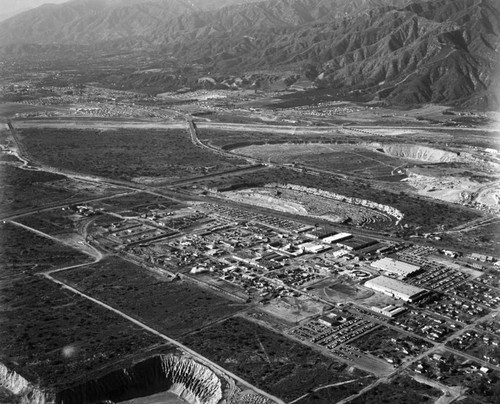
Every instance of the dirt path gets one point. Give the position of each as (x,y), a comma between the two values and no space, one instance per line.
(322,388)
(184,348)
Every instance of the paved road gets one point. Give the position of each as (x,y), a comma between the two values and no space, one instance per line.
(198,357)
(137,187)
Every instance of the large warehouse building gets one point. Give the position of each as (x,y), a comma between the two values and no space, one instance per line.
(399,268)
(395,288)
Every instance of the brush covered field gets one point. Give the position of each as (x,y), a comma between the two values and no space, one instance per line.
(130,154)
(49,334)
(173,307)
(273,362)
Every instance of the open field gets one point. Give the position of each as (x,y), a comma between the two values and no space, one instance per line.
(23,189)
(272,362)
(48,334)
(140,155)
(484,239)
(54,222)
(402,389)
(227,139)
(24,252)
(26,189)
(156,300)
(348,159)
(138,202)
(230,136)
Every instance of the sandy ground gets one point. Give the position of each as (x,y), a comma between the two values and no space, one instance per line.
(264,199)
(160,398)
(456,189)
(293,309)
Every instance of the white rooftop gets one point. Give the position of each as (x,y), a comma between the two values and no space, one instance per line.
(400,268)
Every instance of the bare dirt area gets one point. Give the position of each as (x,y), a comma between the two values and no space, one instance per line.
(266,198)
(293,309)
(344,289)
(302,203)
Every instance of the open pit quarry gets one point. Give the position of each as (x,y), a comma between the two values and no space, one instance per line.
(473,181)
(16,389)
(420,153)
(180,375)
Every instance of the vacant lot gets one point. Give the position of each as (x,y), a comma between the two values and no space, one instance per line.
(139,202)
(229,140)
(22,189)
(54,222)
(347,159)
(403,389)
(24,252)
(172,307)
(272,362)
(49,335)
(124,153)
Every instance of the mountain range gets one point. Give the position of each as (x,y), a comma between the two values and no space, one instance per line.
(402,51)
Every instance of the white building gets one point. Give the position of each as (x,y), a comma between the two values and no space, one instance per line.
(336,238)
(389,311)
(395,288)
(399,268)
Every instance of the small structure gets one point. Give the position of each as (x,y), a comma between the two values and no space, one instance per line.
(389,311)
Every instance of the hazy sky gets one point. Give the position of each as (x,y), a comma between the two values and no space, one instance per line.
(13,6)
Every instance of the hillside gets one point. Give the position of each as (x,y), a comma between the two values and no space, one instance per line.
(443,51)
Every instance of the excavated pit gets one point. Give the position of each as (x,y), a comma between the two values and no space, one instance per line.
(182,376)
(420,153)
(16,389)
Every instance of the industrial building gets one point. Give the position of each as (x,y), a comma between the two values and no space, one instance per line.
(389,311)
(337,237)
(395,288)
(357,243)
(401,269)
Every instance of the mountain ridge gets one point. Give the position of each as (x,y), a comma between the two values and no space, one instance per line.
(404,51)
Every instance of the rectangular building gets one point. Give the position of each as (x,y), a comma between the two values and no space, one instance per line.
(337,237)
(399,268)
(389,311)
(395,288)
